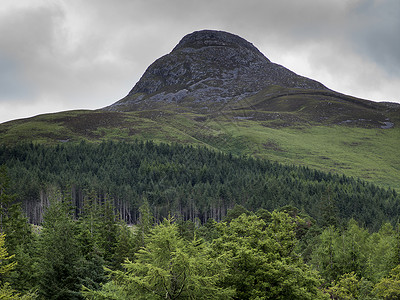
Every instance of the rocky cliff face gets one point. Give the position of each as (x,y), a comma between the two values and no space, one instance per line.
(209,68)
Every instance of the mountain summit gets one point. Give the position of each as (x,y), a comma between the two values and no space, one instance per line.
(209,68)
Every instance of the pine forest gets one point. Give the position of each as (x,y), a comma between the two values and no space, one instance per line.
(116,220)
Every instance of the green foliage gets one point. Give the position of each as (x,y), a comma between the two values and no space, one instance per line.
(324,255)
(381,253)
(186,229)
(208,231)
(59,255)
(170,267)
(346,288)
(12,220)
(61,265)
(389,287)
(340,253)
(19,237)
(6,291)
(98,227)
(261,260)
(145,223)
(108,291)
(247,256)
(4,266)
(354,251)
(235,212)
(125,245)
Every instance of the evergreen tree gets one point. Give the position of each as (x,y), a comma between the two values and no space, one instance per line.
(194,182)
(324,255)
(62,267)
(235,212)
(12,221)
(338,253)
(108,228)
(145,223)
(381,253)
(6,291)
(389,287)
(5,267)
(168,267)
(125,245)
(346,287)
(261,260)
(19,237)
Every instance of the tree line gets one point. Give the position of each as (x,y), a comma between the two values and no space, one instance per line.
(193,183)
(279,254)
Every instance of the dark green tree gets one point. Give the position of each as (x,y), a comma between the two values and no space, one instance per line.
(12,221)
(145,223)
(19,240)
(5,267)
(125,245)
(61,264)
(7,292)
(235,212)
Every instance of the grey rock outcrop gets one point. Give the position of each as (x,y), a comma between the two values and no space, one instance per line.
(209,68)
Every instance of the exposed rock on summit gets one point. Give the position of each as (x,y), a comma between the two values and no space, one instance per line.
(209,68)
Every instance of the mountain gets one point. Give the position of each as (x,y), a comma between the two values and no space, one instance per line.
(209,69)
(216,89)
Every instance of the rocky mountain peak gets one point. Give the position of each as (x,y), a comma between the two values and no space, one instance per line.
(213,38)
(208,68)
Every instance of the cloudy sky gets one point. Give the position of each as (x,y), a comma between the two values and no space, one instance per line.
(70,54)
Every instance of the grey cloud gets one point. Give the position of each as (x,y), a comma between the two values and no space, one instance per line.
(30,33)
(12,86)
(375,32)
(88,54)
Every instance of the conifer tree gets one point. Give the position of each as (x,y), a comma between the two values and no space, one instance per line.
(6,291)
(146,222)
(61,265)
(125,245)
(12,221)
(168,267)
(261,260)
(19,240)
(5,267)
(389,287)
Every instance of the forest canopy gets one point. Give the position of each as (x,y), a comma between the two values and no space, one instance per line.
(188,182)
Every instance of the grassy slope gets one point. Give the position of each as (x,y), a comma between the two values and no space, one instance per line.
(368,153)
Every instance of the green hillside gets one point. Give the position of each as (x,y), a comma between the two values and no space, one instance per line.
(361,150)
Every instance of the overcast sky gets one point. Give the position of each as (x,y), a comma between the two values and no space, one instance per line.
(59,55)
